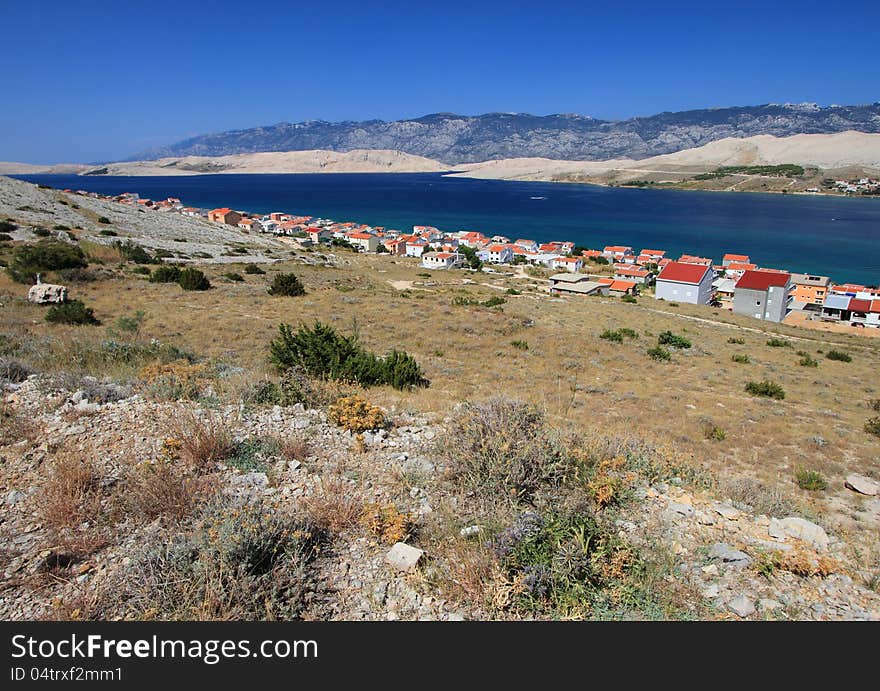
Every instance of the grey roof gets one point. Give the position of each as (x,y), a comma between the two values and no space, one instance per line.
(724,285)
(569,278)
(585,287)
(837,302)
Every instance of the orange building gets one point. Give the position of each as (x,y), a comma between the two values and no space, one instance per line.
(810,290)
(224,215)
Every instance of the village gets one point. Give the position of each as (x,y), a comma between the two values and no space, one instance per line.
(737,283)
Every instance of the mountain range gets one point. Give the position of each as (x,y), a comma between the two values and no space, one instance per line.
(455,139)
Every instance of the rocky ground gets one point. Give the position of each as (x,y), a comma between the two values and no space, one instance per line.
(186,237)
(731,561)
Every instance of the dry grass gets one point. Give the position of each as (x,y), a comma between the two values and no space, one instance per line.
(201,443)
(71,493)
(336,508)
(164,489)
(15,427)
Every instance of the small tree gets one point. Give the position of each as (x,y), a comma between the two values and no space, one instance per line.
(287,285)
(193,279)
(168,273)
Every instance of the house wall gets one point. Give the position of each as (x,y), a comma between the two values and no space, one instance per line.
(773,303)
(686,292)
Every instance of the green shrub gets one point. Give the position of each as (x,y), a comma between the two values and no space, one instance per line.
(167,273)
(778,343)
(838,355)
(321,352)
(512,291)
(193,279)
(5,237)
(42,232)
(626,331)
(737,341)
(493,301)
(7,227)
(48,255)
(72,312)
(629,298)
(133,252)
(765,388)
(253,269)
(741,358)
(287,285)
(520,345)
(232,276)
(104,220)
(674,340)
(872,426)
(808,361)
(108,233)
(659,353)
(614,336)
(810,480)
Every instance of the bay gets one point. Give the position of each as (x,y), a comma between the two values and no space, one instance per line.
(832,236)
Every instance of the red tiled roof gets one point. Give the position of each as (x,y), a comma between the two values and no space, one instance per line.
(740,266)
(683,273)
(743,258)
(762,280)
(857,305)
(875,306)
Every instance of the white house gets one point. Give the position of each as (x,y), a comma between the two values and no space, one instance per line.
(441,260)
(415,248)
(571,264)
(499,254)
(691,283)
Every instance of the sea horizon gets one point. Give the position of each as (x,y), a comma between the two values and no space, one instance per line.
(831,236)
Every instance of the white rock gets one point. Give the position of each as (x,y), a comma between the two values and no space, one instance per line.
(863,485)
(403,557)
(801,529)
(469,531)
(741,606)
(726,511)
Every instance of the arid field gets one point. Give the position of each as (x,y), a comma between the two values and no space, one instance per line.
(725,444)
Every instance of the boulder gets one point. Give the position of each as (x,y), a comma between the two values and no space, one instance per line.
(741,606)
(863,485)
(47,293)
(800,529)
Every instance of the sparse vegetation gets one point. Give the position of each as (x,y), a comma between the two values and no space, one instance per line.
(73,312)
(356,414)
(167,273)
(287,285)
(520,345)
(810,480)
(660,354)
(673,340)
(838,355)
(49,255)
(778,343)
(193,279)
(741,358)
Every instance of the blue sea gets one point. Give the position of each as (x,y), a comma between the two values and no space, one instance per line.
(833,236)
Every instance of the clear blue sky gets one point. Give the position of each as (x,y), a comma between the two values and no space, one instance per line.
(91,80)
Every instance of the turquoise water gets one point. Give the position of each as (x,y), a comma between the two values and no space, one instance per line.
(834,236)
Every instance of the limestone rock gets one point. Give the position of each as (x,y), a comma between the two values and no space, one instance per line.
(47,293)
(801,529)
(863,485)
(741,606)
(403,557)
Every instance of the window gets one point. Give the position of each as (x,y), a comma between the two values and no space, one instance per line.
(758,302)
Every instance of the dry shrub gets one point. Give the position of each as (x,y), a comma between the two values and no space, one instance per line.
(71,493)
(201,443)
(386,522)
(805,562)
(173,380)
(503,448)
(338,507)
(470,570)
(164,489)
(356,414)
(15,427)
(294,449)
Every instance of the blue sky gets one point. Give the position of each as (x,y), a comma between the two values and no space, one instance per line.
(95,80)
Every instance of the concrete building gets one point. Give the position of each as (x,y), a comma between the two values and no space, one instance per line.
(691,283)
(763,295)
(809,291)
(576,284)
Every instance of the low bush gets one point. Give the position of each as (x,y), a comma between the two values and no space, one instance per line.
(872,426)
(673,340)
(838,355)
(106,232)
(808,361)
(193,279)
(629,298)
(386,522)
(287,285)
(232,276)
(167,273)
(133,252)
(778,343)
(201,443)
(7,227)
(659,354)
(520,345)
(737,341)
(713,433)
(609,335)
(356,414)
(103,219)
(810,480)
(741,358)
(5,237)
(50,255)
(503,449)
(321,352)
(73,312)
(71,493)
(253,269)
(765,388)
